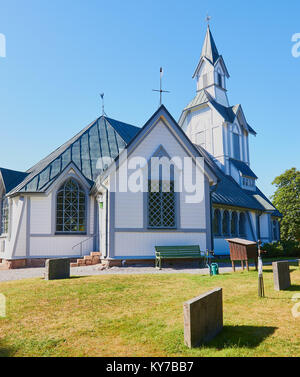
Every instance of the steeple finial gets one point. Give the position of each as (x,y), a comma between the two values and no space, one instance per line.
(208,18)
(102,98)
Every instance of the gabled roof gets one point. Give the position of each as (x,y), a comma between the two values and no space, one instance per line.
(229,192)
(105,137)
(11,178)
(163,114)
(243,168)
(228,113)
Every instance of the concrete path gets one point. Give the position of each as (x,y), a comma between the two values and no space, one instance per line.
(26,273)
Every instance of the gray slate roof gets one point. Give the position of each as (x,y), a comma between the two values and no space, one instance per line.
(243,168)
(105,137)
(229,192)
(11,178)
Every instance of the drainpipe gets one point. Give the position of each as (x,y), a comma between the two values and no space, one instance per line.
(106,217)
(258,225)
(213,189)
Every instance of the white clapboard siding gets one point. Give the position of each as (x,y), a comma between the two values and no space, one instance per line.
(41,214)
(137,244)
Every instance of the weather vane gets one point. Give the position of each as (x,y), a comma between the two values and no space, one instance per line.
(161,91)
(208,18)
(102,98)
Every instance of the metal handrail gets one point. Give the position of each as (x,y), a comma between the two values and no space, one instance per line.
(82,242)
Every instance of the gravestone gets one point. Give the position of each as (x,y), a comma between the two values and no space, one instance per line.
(203,318)
(281,273)
(57,269)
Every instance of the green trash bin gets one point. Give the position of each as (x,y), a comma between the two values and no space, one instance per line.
(214,269)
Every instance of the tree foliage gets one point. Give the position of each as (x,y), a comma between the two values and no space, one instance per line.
(287,200)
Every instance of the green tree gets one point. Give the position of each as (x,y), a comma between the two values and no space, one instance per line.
(287,201)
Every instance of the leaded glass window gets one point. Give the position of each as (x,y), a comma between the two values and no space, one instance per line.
(161,205)
(4,216)
(71,208)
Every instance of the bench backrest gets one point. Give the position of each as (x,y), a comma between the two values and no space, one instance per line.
(169,251)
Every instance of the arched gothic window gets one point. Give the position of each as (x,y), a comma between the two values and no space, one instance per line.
(242,224)
(217,222)
(234,224)
(225,223)
(71,208)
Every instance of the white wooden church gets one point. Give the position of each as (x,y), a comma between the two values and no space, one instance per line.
(69,205)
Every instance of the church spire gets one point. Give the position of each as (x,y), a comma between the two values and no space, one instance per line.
(211,72)
(209,49)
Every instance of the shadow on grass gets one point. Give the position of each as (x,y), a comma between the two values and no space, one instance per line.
(293,288)
(6,351)
(241,336)
(271,271)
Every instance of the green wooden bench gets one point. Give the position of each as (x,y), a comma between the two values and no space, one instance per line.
(177,252)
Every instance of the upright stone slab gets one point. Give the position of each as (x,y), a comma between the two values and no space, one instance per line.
(281,273)
(203,318)
(57,269)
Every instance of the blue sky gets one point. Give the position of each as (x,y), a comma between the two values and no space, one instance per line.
(62,54)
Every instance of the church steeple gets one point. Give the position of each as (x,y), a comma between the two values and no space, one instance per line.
(211,72)
(209,49)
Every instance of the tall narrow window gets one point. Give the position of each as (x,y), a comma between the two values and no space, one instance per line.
(236,146)
(275,236)
(71,208)
(4,216)
(217,222)
(234,224)
(225,223)
(161,205)
(242,225)
(220,80)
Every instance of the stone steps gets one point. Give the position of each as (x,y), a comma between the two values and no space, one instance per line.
(88,260)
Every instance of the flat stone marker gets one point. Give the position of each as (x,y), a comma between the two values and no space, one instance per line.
(203,318)
(57,269)
(281,273)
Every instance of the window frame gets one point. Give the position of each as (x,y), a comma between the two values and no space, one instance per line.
(175,199)
(81,190)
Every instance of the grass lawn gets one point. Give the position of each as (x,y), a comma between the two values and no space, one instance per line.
(142,315)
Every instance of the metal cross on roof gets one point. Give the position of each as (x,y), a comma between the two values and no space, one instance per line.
(161,91)
(208,18)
